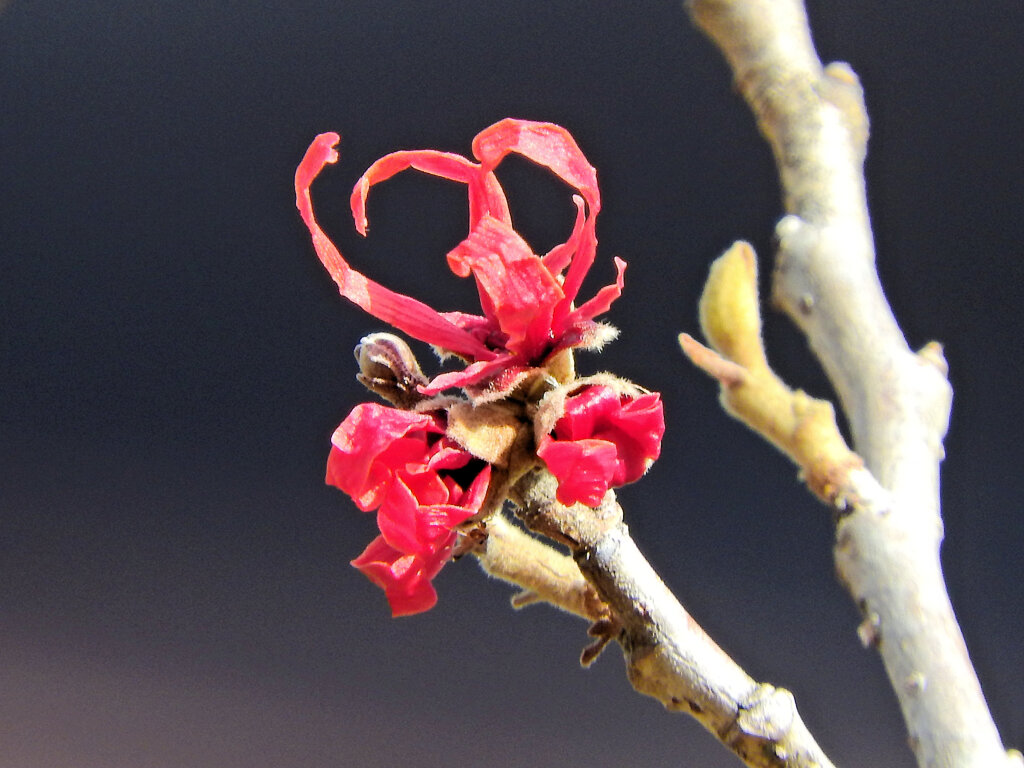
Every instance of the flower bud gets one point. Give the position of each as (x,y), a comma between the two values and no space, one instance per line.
(388,368)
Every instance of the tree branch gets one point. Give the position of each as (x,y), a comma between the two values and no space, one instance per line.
(668,655)
(897,402)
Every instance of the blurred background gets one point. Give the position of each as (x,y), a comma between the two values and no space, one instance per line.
(174,579)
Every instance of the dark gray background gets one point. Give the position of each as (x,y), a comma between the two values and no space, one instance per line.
(174,579)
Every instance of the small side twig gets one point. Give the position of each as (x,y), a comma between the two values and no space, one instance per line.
(544,574)
(802,427)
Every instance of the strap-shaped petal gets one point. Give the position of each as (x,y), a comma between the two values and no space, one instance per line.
(405,579)
(603,298)
(546,144)
(603,440)
(371,444)
(559,257)
(584,468)
(486,196)
(403,312)
(470,375)
(522,294)
(553,147)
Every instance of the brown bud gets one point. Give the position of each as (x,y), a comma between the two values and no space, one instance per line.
(388,368)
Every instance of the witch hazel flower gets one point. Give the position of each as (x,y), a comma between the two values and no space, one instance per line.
(604,436)
(527,300)
(434,464)
(423,487)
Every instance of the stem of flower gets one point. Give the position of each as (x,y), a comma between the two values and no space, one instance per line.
(668,655)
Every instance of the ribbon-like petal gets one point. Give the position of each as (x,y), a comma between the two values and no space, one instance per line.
(403,312)
(584,468)
(522,294)
(486,197)
(552,146)
(400,463)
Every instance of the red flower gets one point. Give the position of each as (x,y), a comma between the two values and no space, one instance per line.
(527,299)
(401,462)
(603,440)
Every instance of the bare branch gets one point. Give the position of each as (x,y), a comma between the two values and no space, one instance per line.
(897,402)
(668,655)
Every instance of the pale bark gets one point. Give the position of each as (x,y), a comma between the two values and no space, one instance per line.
(897,402)
(668,655)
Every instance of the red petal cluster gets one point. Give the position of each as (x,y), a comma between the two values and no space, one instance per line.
(603,440)
(401,464)
(527,299)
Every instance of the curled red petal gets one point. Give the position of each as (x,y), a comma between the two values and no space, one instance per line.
(416,526)
(420,512)
(474,496)
(552,146)
(405,579)
(584,468)
(641,424)
(521,293)
(397,519)
(546,144)
(582,260)
(425,485)
(603,440)
(603,299)
(371,444)
(471,375)
(403,312)
(485,194)
(588,412)
(417,539)
(559,257)
(449,455)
